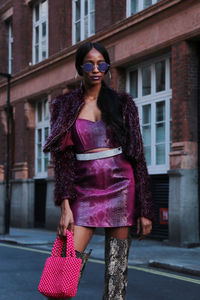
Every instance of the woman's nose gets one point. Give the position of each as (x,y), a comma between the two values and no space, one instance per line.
(95,70)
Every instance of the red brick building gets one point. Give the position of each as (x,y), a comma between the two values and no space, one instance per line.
(154,50)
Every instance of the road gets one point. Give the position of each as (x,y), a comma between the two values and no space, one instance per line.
(21,268)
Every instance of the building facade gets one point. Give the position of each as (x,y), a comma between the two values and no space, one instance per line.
(154,51)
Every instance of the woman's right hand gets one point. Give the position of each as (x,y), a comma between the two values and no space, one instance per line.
(66,219)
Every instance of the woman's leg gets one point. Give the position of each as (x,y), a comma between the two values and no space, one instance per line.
(117,244)
(82,237)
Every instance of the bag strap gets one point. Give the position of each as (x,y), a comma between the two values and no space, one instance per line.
(58,245)
(70,251)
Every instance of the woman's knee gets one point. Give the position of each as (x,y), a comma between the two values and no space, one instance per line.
(117,232)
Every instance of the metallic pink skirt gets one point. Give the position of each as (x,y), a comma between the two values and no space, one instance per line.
(105,192)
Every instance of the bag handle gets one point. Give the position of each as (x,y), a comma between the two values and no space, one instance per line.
(58,245)
(70,251)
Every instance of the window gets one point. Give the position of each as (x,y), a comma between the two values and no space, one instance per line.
(83,19)
(10,47)
(134,6)
(41,133)
(40,31)
(150,85)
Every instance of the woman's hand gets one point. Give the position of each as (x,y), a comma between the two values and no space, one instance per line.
(66,219)
(146,225)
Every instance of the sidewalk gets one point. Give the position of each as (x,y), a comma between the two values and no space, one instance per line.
(146,252)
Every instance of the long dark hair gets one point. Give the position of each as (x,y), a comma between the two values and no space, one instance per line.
(108,100)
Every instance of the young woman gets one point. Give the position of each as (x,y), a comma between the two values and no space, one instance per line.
(101,177)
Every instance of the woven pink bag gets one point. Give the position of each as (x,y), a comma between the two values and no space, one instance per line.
(60,274)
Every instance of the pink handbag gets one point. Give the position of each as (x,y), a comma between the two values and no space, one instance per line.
(60,274)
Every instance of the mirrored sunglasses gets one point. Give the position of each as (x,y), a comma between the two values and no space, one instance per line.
(89,67)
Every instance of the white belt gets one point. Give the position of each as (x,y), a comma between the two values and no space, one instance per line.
(100,154)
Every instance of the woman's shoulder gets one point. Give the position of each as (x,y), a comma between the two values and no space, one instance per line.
(64,99)
(65,96)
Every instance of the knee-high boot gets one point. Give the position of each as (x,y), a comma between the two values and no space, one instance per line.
(116,268)
(84,256)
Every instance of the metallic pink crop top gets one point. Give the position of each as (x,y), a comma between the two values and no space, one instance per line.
(88,135)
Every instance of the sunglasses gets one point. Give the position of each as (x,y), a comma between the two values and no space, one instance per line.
(89,67)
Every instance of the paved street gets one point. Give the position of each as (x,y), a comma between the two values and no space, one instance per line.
(21,267)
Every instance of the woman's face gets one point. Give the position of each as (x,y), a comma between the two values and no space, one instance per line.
(93,77)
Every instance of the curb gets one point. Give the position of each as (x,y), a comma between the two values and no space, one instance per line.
(174,267)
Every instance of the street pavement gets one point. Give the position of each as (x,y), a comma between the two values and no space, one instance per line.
(147,252)
(21,268)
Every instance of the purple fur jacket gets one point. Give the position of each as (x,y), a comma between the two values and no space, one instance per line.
(64,111)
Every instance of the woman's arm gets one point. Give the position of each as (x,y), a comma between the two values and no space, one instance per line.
(66,219)
(64,164)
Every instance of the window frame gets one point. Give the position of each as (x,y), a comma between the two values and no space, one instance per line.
(140,6)
(152,99)
(82,20)
(41,125)
(39,25)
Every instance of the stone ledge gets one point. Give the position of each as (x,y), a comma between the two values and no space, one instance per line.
(177,267)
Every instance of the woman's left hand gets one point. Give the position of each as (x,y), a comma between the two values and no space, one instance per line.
(146,225)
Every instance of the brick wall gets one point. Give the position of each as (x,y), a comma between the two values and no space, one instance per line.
(3,140)
(185,64)
(19,118)
(24,135)
(118,10)
(29,144)
(108,13)
(60,25)
(22,33)
(2,136)
(4,49)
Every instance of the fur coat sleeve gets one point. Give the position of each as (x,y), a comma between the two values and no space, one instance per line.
(63,159)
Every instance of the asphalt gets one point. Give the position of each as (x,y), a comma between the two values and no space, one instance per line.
(147,252)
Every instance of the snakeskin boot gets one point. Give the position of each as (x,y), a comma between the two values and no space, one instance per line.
(84,256)
(116,268)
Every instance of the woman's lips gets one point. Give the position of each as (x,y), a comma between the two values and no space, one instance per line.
(95,77)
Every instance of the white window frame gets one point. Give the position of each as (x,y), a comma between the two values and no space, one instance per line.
(10,47)
(41,125)
(140,6)
(39,24)
(82,20)
(152,99)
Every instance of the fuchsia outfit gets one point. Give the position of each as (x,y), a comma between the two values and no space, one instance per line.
(105,187)
(115,172)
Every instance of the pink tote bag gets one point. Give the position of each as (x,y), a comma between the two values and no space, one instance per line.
(60,274)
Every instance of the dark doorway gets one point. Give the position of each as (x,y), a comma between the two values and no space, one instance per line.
(160,193)
(40,203)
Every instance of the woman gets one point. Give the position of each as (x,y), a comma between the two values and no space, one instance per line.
(101,177)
